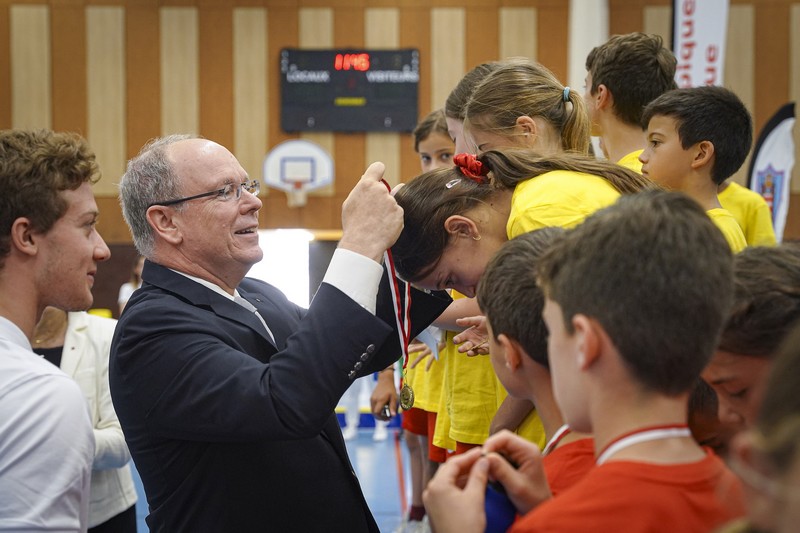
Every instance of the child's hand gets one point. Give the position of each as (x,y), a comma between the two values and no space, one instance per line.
(384,395)
(524,481)
(475,339)
(422,351)
(455,497)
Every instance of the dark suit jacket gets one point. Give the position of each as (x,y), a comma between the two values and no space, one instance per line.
(230,433)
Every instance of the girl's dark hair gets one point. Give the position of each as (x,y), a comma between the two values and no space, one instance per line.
(430,199)
(766,299)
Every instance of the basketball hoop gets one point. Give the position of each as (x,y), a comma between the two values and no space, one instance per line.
(296,167)
(297,197)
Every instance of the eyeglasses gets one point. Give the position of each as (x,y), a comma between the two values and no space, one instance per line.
(231,190)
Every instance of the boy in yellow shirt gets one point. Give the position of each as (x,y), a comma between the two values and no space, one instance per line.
(696,139)
(623,75)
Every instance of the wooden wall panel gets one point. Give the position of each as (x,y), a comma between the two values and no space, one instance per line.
(382,30)
(283,30)
(318,29)
(125,71)
(482,37)
(215,72)
(142,75)
(5,67)
(349,156)
(250,88)
(31,78)
(448,36)
(518,32)
(105,93)
(772,67)
(658,20)
(179,70)
(553,27)
(68,34)
(415,32)
(624,16)
(739,65)
(740,53)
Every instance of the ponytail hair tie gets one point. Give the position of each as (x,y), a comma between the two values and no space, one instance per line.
(471,168)
(566,94)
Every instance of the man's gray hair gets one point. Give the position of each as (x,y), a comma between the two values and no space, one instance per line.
(148,179)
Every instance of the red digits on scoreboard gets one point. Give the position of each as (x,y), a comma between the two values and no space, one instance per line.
(358,62)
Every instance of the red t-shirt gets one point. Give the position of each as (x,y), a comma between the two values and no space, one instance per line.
(643,497)
(568,463)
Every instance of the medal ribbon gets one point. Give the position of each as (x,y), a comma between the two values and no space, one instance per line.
(642,435)
(402,308)
(560,433)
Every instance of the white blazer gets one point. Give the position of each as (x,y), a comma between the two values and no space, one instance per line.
(85,359)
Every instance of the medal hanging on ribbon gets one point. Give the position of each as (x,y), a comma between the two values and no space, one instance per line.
(402,308)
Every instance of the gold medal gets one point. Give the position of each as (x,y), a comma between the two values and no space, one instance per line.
(406,397)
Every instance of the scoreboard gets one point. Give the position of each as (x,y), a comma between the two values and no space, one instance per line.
(349,90)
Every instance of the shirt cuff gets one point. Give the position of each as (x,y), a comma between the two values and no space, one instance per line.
(356,276)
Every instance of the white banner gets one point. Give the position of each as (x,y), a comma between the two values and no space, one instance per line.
(698,37)
(772,163)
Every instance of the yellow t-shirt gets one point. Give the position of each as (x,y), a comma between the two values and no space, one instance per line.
(729,227)
(631,161)
(441,432)
(751,212)
(472,393)
(470,396)
(559,198)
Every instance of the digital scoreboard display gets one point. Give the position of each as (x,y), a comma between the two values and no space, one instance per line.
(349,90)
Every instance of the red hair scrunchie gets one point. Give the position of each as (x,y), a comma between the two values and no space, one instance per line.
(471,167)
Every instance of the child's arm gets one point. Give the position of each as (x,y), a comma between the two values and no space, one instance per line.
(510,414)
(458,309)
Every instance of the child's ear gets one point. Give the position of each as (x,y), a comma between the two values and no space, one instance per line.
(512,351)
(589,339)
(704,154)
(603,98)
(526,125)
(461,226)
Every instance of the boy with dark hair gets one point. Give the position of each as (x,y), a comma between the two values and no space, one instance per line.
(635,298)
(696,139)
(622,76)
(518,349)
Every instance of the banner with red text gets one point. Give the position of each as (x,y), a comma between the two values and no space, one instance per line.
(772,163)
(698,41)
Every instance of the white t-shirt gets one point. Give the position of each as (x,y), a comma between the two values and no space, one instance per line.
(46,442)
(125,292)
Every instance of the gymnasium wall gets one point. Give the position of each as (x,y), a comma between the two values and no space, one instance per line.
(123,71)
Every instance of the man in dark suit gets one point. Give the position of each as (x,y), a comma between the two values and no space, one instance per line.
(225,390)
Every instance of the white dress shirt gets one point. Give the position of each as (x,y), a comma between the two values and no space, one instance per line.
(46,442)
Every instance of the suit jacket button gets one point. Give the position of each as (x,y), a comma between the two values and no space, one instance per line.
(351,374)
(364,356)
(370,348)
(357,366)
